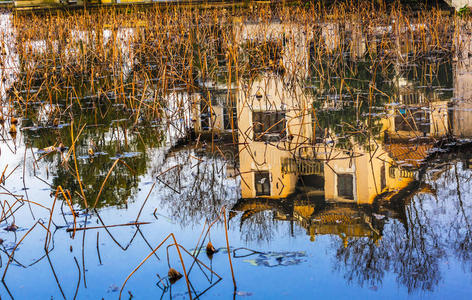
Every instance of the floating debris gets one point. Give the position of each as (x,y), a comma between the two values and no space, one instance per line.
(243,294)
(113,288)
(276,259)
(125,155)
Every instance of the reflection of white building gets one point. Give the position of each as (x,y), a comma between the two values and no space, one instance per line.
(177,115)
(417,113)
(458,4)
(462,120)
(275,124)
(8,54)
(278,150)
(25,4)
(290,37)
(214,111)
(87,40)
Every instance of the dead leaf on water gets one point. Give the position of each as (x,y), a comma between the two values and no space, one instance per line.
(113,288)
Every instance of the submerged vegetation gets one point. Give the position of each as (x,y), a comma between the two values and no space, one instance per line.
(146,123)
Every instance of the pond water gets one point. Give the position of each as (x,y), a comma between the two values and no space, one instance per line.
(345,184)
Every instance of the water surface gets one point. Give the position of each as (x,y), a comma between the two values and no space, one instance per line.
(347,184)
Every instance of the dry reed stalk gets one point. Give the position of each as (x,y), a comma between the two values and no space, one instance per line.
(10,257)
(75,160)
(171,235)
(105,181)
(107,226)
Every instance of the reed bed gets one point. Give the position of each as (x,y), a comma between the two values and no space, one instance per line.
(136,57)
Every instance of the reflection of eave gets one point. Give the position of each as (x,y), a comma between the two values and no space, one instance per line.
(345,231)
(185,143)
(415,155)
(316,215)
(399,137)
(397,201)
(252,206)
(406,151)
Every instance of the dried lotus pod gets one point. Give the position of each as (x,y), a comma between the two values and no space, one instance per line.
(210,249)
(12,130)
(173,275)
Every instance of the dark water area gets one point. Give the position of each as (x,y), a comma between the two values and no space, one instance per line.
(350,181)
